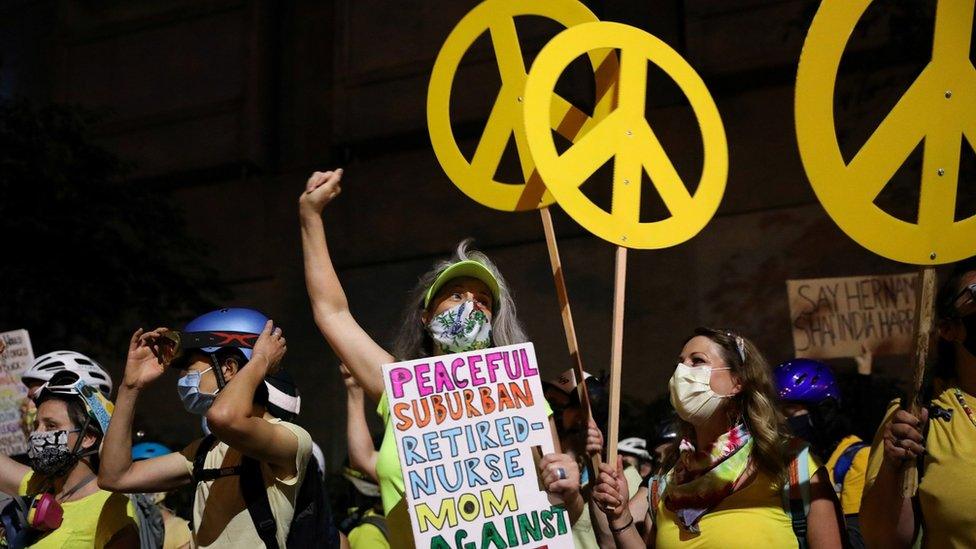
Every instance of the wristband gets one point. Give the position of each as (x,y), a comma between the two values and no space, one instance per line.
(624,527)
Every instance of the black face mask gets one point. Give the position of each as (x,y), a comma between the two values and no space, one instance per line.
(802,426)
(969,343)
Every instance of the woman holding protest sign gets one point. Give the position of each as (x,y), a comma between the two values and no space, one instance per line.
(739,479)
(460,305)
(940,442)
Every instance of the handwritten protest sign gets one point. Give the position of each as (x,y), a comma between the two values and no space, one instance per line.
(832,317)
(466,425)
(15,359)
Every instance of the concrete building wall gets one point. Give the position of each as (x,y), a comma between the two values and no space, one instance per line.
(228,105)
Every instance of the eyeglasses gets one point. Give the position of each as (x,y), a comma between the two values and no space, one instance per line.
(969,305)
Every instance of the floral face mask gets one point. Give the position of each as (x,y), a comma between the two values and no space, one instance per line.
(461,328)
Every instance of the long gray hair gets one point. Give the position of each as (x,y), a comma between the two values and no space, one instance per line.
(413,341)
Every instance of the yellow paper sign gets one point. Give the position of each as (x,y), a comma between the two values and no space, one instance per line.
(939,108)
(477,177)
(626,137)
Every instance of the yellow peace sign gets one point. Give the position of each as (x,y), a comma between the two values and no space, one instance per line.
(477,178)
(626,136)
(939,108)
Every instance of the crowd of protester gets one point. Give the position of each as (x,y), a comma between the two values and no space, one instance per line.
(750,456)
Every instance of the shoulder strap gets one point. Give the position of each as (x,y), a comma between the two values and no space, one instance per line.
(796,495)
(655,491)
(258,506)
(199,473)
(379,522)
(844,463)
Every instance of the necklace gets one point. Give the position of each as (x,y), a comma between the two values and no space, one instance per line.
(962,402)
(84,482)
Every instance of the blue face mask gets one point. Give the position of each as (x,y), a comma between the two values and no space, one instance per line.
(194,401)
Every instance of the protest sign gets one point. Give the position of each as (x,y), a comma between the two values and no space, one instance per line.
(466,425)
(15,359)
(832,317)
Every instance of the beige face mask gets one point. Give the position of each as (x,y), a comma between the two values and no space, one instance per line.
(692,395)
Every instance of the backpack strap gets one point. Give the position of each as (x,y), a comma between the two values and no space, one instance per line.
(655,491)
(844,463)
(796,495)
(202,475)
(258,506)
(379,522)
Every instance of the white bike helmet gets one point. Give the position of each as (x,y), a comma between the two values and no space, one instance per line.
(89,371)
(634,446)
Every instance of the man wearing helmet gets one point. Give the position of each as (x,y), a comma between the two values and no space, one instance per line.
(226,355)
(67,505)
(810,398)
(43,369)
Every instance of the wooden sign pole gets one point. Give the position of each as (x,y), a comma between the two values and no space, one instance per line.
(567,315)
(923,336)
(616,351)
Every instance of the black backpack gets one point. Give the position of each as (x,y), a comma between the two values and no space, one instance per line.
(311,525)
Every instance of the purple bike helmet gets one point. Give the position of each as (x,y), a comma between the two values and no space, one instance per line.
(805,380)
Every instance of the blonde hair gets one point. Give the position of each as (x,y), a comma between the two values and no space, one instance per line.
(755,403)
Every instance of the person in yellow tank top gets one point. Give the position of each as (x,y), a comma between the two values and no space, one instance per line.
(726,488)
(466,291)
(941,514)
(68,429)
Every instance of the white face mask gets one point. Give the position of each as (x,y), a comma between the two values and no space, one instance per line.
(692,395)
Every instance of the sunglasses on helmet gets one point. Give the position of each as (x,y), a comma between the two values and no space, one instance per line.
(171,346)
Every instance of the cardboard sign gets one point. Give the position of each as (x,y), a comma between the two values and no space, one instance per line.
(832,317)
(15,359)
(466,425)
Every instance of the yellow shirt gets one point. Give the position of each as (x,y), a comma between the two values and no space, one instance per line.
(177,532)
(220,515)
(947,493)
(367,535)
(850,495)
(750,518)
(88,522)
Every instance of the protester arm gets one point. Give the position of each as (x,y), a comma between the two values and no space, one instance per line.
(231,417)
(610,495)
(825,518)
(117,472)
(362,453)
(887,517)
(11,475)
(330,308)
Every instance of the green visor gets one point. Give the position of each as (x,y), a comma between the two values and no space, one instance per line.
(467,268)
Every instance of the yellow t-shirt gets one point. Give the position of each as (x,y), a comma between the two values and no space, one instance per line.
(178,532)
(947,493)
(850,495)
(749,518)
(390,476)
(368,535)
(88,522)
(220,515)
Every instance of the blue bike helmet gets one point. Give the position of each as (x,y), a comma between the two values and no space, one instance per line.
(146,450)
(805,380)
(234,327)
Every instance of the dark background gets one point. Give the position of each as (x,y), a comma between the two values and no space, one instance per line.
(218,110)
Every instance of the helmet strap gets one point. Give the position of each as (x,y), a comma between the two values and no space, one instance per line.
(218,372)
